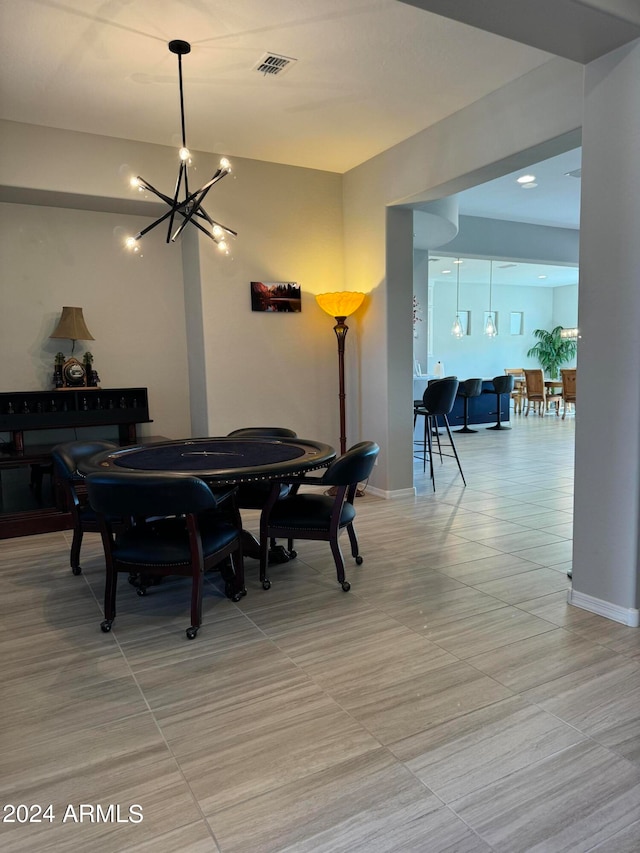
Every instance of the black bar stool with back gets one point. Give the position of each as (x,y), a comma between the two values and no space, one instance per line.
(437,402)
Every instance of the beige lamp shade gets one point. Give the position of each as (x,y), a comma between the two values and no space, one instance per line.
(340,304)
(72,326)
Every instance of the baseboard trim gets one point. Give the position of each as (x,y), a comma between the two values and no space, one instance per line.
(629,616)
(397,493)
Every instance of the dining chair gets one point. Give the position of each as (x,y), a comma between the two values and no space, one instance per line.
(66,457)
(537,394)
(179,529)
(255,495)
(568,376)
(320,516)
(437,402)
(517,395)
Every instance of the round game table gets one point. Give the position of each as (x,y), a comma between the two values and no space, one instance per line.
(221,462)
(218,461)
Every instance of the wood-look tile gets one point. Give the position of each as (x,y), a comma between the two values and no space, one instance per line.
(544,520)
(555,608)
(415,704)
(548,555)
(602,700)
(534,661)
(526,586)
(543,807)
(516,542)
(231,751)
(466,754)
(427,613)
(366,804)
(481,633)
(156,785)
(625,841)
(388,656)
(488,569)
(195,838)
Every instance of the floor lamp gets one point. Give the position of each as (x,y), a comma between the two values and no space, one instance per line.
(339,306)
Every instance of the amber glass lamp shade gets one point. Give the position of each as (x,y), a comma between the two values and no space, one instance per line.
(340,304)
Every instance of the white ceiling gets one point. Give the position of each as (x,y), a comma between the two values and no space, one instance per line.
(369,73)
(478,271)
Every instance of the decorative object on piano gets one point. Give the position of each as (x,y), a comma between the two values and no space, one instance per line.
(70,372)
(189,209)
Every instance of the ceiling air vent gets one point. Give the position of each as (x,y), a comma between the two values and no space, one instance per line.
(273,63)
(576,173)
(506,266)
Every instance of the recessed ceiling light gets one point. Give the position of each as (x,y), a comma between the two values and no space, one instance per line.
(529,186)
(542,276)
(526,179)
(458,262)
(445,272)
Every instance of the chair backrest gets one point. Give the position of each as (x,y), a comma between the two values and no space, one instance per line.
(568,375)
(504,384)
(470,388)
(514,371)
(67,455)
(354,466)
(534,380)
(267,432)
(439,396)
(118,493)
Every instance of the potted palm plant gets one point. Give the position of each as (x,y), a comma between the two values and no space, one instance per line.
(552,350)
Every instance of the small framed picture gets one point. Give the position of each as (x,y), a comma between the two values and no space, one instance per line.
(276,297)
(516,322)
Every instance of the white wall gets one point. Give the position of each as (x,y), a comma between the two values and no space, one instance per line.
(53,257)
(243,368)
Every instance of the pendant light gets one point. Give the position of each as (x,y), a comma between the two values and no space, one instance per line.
(490,326)
(456,330)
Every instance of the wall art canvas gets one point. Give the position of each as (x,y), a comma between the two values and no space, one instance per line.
(276,297)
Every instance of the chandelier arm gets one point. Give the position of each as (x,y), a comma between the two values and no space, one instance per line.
(174,204)
(197,224)
(153,225)
(167,199)
(203,213)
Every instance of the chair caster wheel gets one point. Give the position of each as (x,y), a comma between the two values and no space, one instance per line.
(266,584)
(238,596)
(293,554)
(346,586)
(141,590)
(192,633)
(359,560)
(105,626)
(77,570)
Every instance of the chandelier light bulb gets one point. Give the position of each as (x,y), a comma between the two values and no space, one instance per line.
(135,183)
(223,247)
(130,242)
(184,154)
(225,164)
(490,328)
(217,232)
(456,330)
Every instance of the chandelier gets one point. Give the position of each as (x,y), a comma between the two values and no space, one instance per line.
(188,208)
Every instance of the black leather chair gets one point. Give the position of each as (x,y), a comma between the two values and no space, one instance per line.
(65,459)
(437,402)
(320,516)
(185,534)
(468,388)
(255,495)
(502,385)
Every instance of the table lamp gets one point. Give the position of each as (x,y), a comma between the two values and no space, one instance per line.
(70,373)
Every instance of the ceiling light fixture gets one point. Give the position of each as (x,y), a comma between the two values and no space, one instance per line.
(526,179)
(490,323)
(456,330)
(188,209)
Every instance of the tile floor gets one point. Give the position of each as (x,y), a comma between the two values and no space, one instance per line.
(452,701)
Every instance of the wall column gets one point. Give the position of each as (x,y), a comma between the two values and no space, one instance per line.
(607,483)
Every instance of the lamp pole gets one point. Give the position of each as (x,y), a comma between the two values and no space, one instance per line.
(341,330)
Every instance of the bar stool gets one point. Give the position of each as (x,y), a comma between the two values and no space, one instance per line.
(437,401)
(468,388)
(502,385)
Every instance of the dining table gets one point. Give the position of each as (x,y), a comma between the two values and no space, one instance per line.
(219,461)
